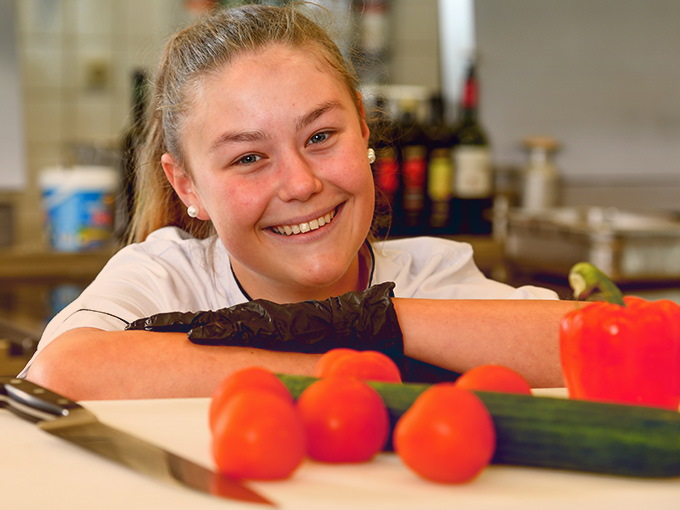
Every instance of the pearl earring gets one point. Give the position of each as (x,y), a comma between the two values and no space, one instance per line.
(371,156)
(192,211)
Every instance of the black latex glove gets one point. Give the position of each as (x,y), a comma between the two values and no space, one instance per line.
(362,320)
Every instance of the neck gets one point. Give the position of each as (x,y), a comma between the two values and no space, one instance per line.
(357,277)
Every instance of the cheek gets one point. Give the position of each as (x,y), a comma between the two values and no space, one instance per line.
(235,205)
(361,182)
(353,171)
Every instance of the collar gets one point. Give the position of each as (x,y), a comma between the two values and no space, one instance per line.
(366,269)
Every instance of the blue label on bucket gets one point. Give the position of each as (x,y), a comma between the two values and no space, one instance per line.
(78,219)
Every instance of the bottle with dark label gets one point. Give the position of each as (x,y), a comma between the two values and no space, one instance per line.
(473,176)
(413,167)
(439,169)
(386,166)
(132,139)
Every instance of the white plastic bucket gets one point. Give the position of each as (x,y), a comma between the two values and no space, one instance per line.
(78,205)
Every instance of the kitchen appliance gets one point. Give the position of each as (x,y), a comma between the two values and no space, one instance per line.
(630,246)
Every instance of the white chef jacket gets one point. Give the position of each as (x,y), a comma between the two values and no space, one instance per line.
(171,271)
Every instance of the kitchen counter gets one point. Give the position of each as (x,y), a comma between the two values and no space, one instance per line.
(22,264)
(26,264)
(35,285)
(38,471)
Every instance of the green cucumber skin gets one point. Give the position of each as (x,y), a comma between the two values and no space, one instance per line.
(560,433)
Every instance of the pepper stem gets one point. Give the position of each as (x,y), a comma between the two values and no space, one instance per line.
(585,279)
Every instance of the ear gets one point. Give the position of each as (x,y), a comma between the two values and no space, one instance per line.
(182,184)
(365,131)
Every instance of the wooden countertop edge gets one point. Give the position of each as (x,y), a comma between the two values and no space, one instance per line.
(18,264)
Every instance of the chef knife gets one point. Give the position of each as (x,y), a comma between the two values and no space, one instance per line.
(70,421)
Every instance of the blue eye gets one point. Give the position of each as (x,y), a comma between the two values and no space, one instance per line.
(249,159)
(319,138)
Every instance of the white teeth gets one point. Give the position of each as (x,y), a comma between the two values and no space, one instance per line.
(304,227)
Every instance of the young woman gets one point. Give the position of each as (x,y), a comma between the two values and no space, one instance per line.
(256,185)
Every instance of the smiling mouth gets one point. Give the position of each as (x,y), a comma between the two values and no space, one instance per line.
(304,227)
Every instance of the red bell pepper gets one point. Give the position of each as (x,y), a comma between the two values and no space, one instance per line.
(625,352)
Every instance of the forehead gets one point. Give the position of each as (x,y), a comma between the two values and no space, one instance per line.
(259,68)
(265,91)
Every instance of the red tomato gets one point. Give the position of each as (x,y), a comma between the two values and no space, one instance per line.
(246,378)
(494,378)
(329,359)
(364,365)
(447,435)
(345,420)
(258,435)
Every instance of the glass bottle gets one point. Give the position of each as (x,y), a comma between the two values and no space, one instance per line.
(440,141)
(386,166)
(541,178)
(413,167)
(473,177)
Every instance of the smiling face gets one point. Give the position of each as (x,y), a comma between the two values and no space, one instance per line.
(277,152)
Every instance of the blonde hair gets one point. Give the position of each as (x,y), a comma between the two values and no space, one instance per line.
(189,55)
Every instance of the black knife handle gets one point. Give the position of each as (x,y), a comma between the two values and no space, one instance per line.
(33,402)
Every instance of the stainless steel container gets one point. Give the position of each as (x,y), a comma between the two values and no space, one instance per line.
(627,245)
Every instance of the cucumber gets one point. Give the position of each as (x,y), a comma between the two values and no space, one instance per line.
(561,433)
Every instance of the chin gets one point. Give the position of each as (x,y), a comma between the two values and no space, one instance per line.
(326,284)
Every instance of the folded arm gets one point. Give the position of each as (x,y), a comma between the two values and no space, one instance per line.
(90,364)
(461,334)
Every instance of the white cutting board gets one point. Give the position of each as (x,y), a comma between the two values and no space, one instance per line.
(38,471)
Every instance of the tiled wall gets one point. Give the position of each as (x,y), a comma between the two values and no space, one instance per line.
(601,76)
(414,43)
(77,57)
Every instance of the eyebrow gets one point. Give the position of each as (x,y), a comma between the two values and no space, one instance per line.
(258,135)
(307,119)
(240,136)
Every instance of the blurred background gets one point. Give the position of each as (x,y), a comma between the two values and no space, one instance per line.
(552,126)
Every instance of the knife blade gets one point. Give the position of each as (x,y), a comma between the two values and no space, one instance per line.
(68,420)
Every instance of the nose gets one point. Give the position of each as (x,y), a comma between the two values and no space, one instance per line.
(298,178)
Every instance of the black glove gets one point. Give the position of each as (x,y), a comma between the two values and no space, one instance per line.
(363,320)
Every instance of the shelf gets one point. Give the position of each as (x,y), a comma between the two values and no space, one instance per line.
(32,265)
(51,265)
